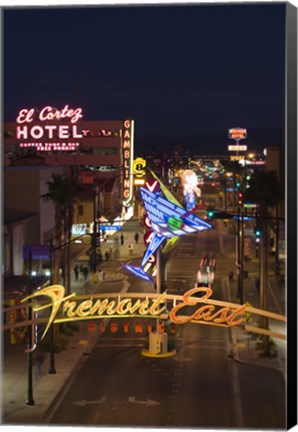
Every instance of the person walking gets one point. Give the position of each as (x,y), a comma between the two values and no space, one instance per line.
(85,272)
(76,272)
(136,237)
(81,270)
(122,239)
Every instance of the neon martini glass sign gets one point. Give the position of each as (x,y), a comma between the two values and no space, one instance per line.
(167,220)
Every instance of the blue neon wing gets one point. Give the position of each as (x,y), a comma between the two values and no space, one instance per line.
(138,271)
(156,241)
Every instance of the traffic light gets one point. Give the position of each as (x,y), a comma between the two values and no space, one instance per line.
(238,184)
(210,213)
(240,198)
(258,233)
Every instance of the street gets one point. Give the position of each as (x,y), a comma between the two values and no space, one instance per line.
(201,386)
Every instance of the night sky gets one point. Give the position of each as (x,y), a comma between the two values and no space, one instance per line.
(186,74)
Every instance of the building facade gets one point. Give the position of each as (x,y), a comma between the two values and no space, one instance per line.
(92,150)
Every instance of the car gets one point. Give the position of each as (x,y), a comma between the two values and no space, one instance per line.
(206,271)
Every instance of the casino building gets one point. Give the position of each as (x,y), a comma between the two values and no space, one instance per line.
(94,151)
(98,153)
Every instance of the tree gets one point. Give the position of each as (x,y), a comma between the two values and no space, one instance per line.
(73,189)
(264,190)
(63,192)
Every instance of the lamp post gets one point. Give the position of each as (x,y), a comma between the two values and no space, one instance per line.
(240,244)
(30,400)
(94,236)
(52,369)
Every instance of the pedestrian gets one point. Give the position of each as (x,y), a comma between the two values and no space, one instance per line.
(136,237)
(85,272)
(76,272)
(81,269)
(107,256)
(122,239)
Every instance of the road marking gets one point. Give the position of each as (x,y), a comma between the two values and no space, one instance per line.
(85,402)
(147,403)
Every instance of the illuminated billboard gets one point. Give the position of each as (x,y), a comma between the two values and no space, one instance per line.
(237,147)
(237,133)
(40,129)
(127,156)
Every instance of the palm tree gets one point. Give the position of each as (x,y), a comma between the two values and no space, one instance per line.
(63,192)
(57,194)
(264,190)
(73,190)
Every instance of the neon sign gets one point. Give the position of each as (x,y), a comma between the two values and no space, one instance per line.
(139,165)
(189,181)
(127,153)
(237,147)
(185,309)
(167,220)
(47,137)
(237,133)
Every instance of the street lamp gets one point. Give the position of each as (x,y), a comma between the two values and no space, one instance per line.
(30,400)
(52,369)
(94,235)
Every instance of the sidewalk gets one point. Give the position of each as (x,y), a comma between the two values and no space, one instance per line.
(244,345)
(47,387)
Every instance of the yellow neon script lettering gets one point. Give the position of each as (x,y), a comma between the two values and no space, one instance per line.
(205,312)
(73,309)
(56,294)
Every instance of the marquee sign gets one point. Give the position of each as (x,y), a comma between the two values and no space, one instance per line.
(127,154)
(237,157)
(237,133)
(139,166)
(40,129)
(186,308)
(237,147)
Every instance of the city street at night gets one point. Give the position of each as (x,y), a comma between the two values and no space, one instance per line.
(149,216)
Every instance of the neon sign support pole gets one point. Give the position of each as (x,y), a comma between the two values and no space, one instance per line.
(30,400)
(239,255)
(242,260)
(158,277)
